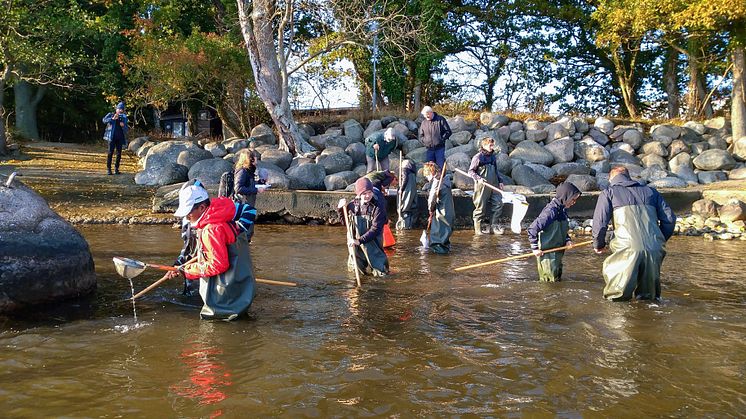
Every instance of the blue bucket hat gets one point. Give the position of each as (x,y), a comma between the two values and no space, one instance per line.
(120,105)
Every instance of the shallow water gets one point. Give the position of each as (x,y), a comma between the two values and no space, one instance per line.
(424,342)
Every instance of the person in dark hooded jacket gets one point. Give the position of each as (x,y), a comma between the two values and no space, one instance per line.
(643,222)
(408,199)
(368,218)
(440,204)
(223,265)
(433,134)
(549,230)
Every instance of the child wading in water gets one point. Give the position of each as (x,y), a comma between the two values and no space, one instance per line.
(549,231)
(440,205)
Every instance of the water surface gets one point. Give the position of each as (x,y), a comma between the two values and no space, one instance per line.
(424,342)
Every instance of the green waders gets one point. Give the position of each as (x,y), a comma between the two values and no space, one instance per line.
(371,254)
(638,246)
(550,264)
(487,202)
(408,204)
(441,227)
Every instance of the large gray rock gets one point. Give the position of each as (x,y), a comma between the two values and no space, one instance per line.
(598,136)
(356,151)
(335,162)
(353,130)
(341,141)
(461,137)
(515,126)
(279,158)
(263,134)
(681,166)
(386,120)
(458,161)
(307,176)
(678,146)
(530,151)
(689,136)
(166,174)
(340,181)
(713,176)
(555,131)
(653,173)
(235,145)
(568,123)
(135,144)
(418,155)
(501,146)
(707,208)
(589,150)
(698,148)
(581,125)
(653,160)
(467,149)
(143,150)
(621,156)
(216,149)
(166,152)
(734,210)
(697,127)
(517,136)
(209,171)
(503,133)
(192,155)
(411,145)
(536,135)
(655,147)
(493,121)
(585,183)
(373,126)
(545,172)
(43,258)
(718,123)
(319,141)
(307,131)
(563,149)
(633,137)
(665,130)
(737,174)
(601,166)
(604,125)
(714,160)
(622,146)
(570,168)
(716,142)
(525,176)
(668,182)
(458,123)
(275,175)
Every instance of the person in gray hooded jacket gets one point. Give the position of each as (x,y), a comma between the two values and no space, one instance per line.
(643,222)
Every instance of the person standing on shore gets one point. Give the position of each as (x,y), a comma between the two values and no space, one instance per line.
(488,203)
(223,266)
(643,222)
(408,186)
(115,135)
(433,133)
(378,146)
(440,205)
(549,230)
(368,218)
(244,187)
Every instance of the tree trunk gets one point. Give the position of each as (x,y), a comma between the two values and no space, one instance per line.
(624,63)
(231,123)
(696,94)
(417,96)
(738,96)
(3,134)
(670,80)
(271,77)
(27,98)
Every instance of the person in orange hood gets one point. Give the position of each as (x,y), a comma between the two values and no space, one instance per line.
(223,265)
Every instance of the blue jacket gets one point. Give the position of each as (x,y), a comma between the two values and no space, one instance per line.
(109,121)
(625,192)
(244,183)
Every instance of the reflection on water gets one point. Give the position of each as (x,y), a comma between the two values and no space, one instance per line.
(426,341)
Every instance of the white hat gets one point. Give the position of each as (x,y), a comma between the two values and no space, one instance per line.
(388,135)
(188,197)
(426,109)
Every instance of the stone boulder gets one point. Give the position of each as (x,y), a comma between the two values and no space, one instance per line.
(585,183)
(562,149)
(135,144)
(209,171)
(652,160)
(166,152)
(668,182)
(307,131)
(43,258)
(737,174)
(308,176)
(192,155)
(373,126)
(655,147)
(589,150)
(341,141)
(706,208)
(621,156)
(235,145)
(581,125)
(340,181)
(461,137)
(536,135)
(319,141)
(734,210)
(411,145)
(386,120)
(713,176)
(525,176)
(275,175)
(570,168)
(279,158)
(458,123)
(739,149)
(335,162)
(166,174)
(604,125)
(353,130)
(601,166)
(678,146)
(681,166)
(458,161)
(555,131)
(697,127)
(545,172)
(467,149)
(598,136)
(493,121)
(356,151)
(142,151)
(633,137)
(216,149)
(263,134)
(665,133)
(418,155)
(714,160)
(517,137)
(532,152)
(653,173)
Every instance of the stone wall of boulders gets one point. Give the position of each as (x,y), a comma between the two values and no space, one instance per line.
(714,221)
(535,155)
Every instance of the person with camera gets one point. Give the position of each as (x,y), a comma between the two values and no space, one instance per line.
(116,135)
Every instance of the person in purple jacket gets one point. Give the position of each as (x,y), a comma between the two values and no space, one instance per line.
(643,222)
(488,203)
(549,230)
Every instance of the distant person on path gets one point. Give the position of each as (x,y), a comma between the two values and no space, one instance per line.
(408,185)
(223,265)
(488,203)
(440,205)
(433,133)
(549,230)
(643,222)
(116,135)
(378,146)
(368,220)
